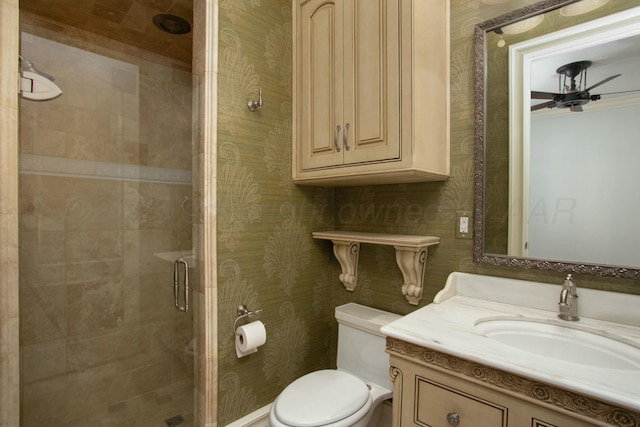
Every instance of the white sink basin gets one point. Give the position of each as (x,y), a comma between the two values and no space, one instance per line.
(565,342)
(512,325)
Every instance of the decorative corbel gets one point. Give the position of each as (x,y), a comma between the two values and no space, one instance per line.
(412,263)
(346,253)
(411,257)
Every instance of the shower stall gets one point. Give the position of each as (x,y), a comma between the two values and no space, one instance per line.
(105,211)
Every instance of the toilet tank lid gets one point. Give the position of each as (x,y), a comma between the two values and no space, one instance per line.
(365,318)
(321,397)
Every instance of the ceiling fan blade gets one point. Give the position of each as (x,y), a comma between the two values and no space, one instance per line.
(542,95)
(576,108)
(603,81)
(621,92)
(549,104)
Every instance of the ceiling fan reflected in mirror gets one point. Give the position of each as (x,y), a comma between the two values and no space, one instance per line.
(572,88)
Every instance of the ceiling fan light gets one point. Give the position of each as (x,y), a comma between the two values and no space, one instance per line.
(581,7)
(523,26)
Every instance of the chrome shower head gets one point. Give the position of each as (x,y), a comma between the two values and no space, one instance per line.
(27,65)
(36,85)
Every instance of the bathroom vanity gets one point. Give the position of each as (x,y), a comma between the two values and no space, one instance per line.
(492,352)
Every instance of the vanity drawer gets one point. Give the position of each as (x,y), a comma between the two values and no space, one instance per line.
(438,405)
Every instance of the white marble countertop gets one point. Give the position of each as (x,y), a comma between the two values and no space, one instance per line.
(449,324)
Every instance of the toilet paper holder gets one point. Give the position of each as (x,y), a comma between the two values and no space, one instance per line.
(245,314)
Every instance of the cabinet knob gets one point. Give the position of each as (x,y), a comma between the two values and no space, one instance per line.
(453,418)
(335,138)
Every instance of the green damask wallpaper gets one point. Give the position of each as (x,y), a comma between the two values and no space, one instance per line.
(266,256)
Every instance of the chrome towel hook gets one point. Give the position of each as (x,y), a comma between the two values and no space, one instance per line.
(254,106)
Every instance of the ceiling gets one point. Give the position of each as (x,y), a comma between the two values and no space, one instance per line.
(126,21)
(610,47)
(621,56)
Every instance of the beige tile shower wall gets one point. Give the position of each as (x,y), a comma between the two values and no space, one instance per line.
(115,108)
(98,325)
(9,323)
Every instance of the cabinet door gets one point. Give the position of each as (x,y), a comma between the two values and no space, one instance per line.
(371,81)
(319,83)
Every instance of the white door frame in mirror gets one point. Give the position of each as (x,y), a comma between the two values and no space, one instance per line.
(521,56)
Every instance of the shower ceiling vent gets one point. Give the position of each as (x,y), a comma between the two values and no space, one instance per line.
(174,421)
(171,24)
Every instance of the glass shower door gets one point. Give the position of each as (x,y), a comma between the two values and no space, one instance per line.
(105,210)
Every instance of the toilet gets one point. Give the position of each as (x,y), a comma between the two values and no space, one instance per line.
(349,395)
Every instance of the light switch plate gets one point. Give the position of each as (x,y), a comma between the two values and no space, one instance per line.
(463,225)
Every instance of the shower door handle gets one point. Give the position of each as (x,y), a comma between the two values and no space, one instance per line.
(176,285)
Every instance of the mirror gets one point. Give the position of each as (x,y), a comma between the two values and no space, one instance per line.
(555,180)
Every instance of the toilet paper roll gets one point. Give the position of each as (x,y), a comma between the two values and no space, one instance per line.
(249,337)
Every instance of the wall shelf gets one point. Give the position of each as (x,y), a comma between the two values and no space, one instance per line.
(411,256)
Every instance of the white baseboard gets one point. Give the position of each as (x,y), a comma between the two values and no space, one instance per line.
(258,418)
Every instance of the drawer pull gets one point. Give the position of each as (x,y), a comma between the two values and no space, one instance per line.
(345,137)
(335,138)
(453,418)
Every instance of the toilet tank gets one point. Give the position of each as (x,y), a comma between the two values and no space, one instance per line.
(361,345)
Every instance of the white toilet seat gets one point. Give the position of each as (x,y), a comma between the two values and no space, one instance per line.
(320,398)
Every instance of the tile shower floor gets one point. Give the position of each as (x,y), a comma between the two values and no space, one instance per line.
(147,410)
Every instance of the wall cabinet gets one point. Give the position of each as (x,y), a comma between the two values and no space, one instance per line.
(371,91)
(438,390)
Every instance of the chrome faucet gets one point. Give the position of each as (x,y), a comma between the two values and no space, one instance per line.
(568,305)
